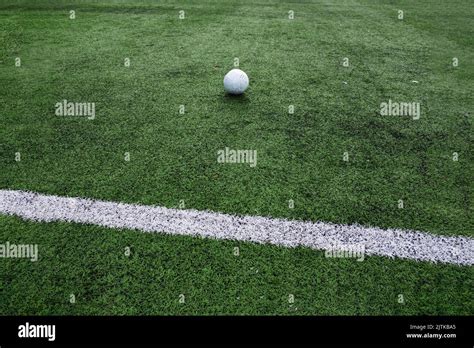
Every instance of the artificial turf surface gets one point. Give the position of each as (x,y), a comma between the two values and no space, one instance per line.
(90,263)
(300,156)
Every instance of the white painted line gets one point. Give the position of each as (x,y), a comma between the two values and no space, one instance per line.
(319,235)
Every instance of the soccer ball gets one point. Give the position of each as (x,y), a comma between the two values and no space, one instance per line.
(236,81)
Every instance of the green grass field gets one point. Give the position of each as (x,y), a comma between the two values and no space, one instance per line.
(296,62)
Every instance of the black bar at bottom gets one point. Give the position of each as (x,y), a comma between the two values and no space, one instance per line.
(423,330)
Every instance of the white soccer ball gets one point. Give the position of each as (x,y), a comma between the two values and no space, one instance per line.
(236,81)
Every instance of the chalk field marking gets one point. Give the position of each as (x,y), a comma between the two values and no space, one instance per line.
(289,233)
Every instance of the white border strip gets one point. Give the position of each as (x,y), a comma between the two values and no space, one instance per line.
(320,235)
